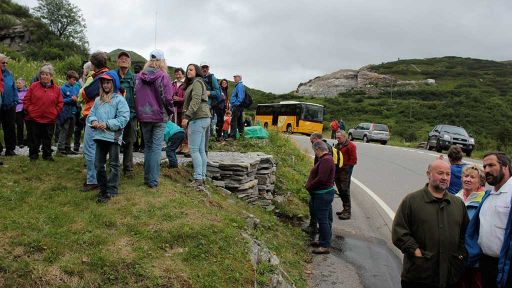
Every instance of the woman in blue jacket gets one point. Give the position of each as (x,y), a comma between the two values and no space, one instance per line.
(108,117)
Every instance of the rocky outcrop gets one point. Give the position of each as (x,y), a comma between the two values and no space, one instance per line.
(15,37)
(343,81)
(250,176)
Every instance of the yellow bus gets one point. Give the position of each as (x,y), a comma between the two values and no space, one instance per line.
(291,117)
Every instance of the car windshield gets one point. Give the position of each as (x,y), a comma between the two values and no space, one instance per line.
(380,127)
(455,130)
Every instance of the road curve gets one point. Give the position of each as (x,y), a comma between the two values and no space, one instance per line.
(382,177)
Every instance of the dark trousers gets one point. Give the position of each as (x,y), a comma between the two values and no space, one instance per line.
(322,212)
(79,127)
(220,121)
(108,186)
(66,130)
(129,138)
(342,180)
(20,125)
(39,134)
(237,121)
(333,134)
(8,121)
(489,270)
(172,145)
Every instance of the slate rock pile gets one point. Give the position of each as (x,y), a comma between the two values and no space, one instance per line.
(251,176)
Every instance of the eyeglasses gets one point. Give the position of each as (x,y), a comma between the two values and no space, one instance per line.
(4,62)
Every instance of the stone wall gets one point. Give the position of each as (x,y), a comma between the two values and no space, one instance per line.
(250,176)
(14,38)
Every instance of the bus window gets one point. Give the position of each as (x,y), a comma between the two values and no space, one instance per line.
(313,113)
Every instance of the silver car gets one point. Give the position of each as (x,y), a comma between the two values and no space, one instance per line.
(369,132)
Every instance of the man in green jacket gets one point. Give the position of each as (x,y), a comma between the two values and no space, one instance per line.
(127,79)
(429,229)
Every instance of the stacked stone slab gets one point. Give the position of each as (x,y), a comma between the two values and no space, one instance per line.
(251,176)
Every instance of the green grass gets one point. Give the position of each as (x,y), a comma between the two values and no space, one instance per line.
(172,236)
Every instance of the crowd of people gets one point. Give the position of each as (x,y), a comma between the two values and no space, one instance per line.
(113,108)
(452,232)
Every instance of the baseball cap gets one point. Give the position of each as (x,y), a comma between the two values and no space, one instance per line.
(123,53)
(204,63)
(156,55)
(105,76)
(237,75)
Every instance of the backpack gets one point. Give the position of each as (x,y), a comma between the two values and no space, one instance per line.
(247,102)
(337,157)
(334,125)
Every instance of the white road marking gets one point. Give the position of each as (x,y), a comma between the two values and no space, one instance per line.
(377,199)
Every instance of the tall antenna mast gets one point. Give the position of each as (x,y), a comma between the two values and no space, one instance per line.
(156,18)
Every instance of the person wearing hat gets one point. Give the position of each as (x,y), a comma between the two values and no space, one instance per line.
(8,107)
(215,102)
(154,106)
(42,103)
(107,118)
(127,79)
(237,110)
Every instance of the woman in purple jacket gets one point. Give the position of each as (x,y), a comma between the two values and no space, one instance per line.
(153,105)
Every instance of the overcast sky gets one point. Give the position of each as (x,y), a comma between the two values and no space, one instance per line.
(276,44)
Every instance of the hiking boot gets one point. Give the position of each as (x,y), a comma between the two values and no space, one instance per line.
(50,158)
(10,153)
(345,215)
(103,199)
(321,250)
(128,173)
(89,187)
(76,148)
(70,152)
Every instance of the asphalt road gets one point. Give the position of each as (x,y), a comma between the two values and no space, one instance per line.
(363,253)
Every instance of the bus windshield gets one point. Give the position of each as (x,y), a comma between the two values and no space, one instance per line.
(312,113)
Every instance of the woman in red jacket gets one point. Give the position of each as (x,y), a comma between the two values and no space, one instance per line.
(42,103)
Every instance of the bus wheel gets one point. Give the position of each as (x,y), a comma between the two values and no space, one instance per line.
(289,129)
(265,125)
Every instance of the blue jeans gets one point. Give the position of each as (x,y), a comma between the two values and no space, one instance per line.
(322,211)
(172,144)
(153,140)
(108,185)
(197,130)
(90,155)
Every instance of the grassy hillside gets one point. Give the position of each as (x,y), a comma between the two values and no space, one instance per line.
(44,45)
(172,236)
(472,93)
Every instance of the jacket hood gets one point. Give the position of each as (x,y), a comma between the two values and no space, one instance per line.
(151,74)
(115,79)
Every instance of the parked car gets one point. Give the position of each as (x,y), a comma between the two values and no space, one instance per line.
(369,132)
(444,136)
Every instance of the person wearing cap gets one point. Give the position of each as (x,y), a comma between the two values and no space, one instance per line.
(107,118)
(88,94)
(153,106)
(42,103)
(237,110)
(127,79)
(215,101)
(8,107)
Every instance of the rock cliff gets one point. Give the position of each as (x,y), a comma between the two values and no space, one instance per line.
(343,81)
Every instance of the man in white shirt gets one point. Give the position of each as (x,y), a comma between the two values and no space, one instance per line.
(494,222)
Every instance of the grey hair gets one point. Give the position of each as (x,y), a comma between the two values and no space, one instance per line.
(48,68)
(320,145)
(3,56)
(341,132)
(88,66)
(316,136)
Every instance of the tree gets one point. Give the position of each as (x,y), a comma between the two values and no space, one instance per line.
(64,19)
